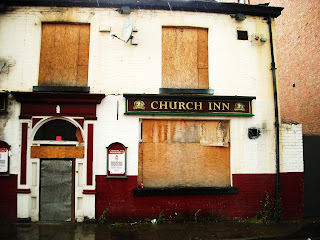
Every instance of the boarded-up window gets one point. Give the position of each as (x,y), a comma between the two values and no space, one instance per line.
(183,153)
(64,55)
(184,58)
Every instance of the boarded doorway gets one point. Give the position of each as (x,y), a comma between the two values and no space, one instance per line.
(57,190)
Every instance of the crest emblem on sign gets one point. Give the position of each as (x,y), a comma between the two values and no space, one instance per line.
(139,104)
(239,107)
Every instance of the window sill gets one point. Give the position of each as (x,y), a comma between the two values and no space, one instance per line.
(77,89)
(184,191)
(185,91)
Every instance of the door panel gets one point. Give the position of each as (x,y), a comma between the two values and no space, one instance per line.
(56,190)
(311,156)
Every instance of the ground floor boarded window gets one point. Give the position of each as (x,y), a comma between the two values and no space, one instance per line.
(184,153)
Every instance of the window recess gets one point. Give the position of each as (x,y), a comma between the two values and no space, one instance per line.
(64,56)
(3,102)
(184,59)
(242,35)
(184,154)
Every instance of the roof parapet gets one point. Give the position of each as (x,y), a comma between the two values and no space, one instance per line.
(175,5)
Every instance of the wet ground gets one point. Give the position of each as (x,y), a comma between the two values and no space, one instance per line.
(147,231)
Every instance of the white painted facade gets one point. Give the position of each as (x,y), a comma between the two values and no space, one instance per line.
(236,67)
(291,148)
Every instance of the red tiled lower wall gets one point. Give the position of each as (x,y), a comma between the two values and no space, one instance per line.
(292,195)
(117,196)
(8,197)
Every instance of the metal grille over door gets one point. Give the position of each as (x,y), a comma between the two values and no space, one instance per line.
(56,190)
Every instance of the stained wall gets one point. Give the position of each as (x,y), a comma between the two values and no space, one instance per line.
(235,67)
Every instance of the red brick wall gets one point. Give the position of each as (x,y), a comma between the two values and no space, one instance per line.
(117,196)
(298,57)
(8,198)
(297,61)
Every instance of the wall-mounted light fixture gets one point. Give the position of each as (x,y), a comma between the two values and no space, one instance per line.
(124,10)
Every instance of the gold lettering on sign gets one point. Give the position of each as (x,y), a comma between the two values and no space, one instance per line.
(182,106)
(153,103)
(188,107)
(163,105)
(225,106)
(216,105)
(173,105)
(176,105)
(198,104)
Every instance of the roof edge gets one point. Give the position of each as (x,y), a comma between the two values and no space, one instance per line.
(175,5)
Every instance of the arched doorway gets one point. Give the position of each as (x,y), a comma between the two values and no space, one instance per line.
(58,143)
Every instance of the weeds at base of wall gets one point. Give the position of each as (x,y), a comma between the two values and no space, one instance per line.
(270,210)
(160,219)
(196,215)
(213,217)
(103,217)
(184,217)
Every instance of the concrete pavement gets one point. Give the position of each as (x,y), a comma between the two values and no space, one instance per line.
(166,231)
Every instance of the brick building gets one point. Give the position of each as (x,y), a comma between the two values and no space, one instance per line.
(299,85)
(144,108)
(298,54)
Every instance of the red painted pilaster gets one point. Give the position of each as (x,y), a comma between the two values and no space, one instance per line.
(89,154)
(24,145)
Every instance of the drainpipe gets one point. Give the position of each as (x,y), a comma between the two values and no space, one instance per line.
(275,96)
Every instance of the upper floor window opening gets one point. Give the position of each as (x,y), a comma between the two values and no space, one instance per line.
(64,54)
(185,58)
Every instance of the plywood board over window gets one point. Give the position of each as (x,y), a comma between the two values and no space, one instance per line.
(184,58)
(179,153)
(64,55)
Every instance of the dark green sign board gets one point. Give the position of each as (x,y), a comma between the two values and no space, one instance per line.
(173,104)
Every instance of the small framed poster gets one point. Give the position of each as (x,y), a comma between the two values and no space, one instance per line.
(4,160)
(116,160)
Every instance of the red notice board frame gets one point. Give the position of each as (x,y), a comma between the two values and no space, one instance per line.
(5,149)
(116,160)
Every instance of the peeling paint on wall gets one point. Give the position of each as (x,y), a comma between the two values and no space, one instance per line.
(215,133)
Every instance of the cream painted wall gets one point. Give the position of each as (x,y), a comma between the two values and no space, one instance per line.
(235,68)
